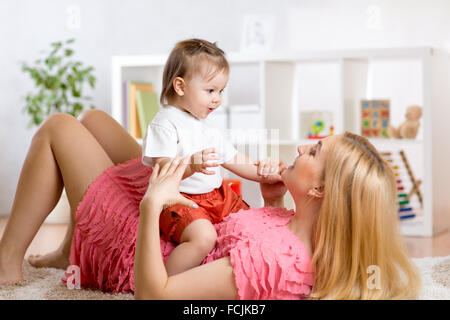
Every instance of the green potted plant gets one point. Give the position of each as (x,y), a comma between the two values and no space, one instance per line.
(59,82)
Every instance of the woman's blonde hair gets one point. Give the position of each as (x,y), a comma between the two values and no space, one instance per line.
(358,250)
(188,58)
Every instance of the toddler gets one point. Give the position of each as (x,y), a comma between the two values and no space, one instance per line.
(194,78)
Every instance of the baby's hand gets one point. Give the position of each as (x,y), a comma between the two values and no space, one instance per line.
(204,159)
(270,170)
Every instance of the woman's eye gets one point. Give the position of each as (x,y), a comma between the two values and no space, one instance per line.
(312,152)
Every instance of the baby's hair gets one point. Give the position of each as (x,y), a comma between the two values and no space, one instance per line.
(188,58)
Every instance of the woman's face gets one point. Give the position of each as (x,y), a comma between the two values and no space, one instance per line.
(305,174)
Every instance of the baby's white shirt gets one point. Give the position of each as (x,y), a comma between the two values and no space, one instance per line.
(176,132)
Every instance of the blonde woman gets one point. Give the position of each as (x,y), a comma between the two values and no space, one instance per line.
(345,216)
(343,226)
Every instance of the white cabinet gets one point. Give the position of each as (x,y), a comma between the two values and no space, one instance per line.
(286,86)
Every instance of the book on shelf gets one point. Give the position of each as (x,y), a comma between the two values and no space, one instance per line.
(147,107)
(125,105)
(132,123)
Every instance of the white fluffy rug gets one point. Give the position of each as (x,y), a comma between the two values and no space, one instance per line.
(45,284)
(435,274)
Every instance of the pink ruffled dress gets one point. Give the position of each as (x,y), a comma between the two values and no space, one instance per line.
(268,260)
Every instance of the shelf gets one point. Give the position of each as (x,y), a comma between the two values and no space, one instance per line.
(283,142)
(396,142)
(292,142)
(241,58)
(324,55)
(416,146)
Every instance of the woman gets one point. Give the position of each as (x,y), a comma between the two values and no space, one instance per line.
(345,221)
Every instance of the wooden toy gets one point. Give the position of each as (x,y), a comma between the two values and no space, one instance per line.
(415,183)
(405,209)
(407,216)
(375,118)
(316,124)
(409,128)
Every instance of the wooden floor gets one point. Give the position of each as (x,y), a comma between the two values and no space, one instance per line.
(51,235)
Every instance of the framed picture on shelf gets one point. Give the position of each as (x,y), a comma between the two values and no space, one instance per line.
(257,33)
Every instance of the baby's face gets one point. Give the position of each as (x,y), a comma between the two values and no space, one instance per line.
(202,96)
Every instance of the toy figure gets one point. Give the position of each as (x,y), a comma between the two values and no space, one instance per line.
(409,128)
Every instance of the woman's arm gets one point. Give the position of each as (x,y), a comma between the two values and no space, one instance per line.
(273,194)
(213,280)
(162,161)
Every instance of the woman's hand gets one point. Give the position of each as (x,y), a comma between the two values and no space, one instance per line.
(164,185)
(273,192)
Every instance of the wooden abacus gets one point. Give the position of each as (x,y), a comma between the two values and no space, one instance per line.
(416,183)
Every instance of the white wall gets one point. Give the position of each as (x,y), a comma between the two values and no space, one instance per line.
(112,27)
(326,24)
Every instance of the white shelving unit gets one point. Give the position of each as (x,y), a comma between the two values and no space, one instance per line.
(283,85)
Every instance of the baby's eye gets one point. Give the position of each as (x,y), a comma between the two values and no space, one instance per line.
(210,91)
(312,152)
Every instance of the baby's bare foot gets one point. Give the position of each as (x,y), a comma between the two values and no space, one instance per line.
(55,259)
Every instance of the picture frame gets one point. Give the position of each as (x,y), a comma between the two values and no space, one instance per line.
(258,33)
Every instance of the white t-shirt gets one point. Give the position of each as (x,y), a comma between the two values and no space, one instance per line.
(174,131)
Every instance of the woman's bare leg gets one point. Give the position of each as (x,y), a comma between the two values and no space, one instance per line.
(60,257)
(62,153)
(119,146)
(114,139)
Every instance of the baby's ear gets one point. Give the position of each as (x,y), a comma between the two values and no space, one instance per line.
(179,86)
